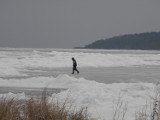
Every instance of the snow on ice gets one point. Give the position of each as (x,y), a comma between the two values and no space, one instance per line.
(98,97)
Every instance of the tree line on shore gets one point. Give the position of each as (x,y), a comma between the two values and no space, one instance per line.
(141,41)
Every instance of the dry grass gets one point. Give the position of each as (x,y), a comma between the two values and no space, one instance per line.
(39,109)
(120,108)
(151,110)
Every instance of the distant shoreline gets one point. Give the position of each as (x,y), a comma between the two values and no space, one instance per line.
(141,41)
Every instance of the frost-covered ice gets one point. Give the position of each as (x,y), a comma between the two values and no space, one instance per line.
(100,98)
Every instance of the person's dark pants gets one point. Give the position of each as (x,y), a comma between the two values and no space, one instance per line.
(75,69)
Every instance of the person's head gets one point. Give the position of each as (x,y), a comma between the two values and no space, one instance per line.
(72,58)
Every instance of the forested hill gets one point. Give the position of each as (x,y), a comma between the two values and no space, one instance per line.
(142,41)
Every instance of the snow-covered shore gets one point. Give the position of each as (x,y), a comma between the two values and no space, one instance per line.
(98,97)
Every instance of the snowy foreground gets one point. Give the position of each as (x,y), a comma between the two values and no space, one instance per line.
(101,99)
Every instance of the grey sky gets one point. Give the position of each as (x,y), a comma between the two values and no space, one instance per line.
(71,23)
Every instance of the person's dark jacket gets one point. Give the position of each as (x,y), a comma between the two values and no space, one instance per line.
(74,63)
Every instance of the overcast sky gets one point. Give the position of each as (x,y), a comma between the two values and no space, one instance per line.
(71,23)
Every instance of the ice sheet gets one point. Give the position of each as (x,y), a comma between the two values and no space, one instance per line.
(13,62)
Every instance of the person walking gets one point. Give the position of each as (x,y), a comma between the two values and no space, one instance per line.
(74,66)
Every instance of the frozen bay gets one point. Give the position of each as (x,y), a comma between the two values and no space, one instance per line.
(104,74)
